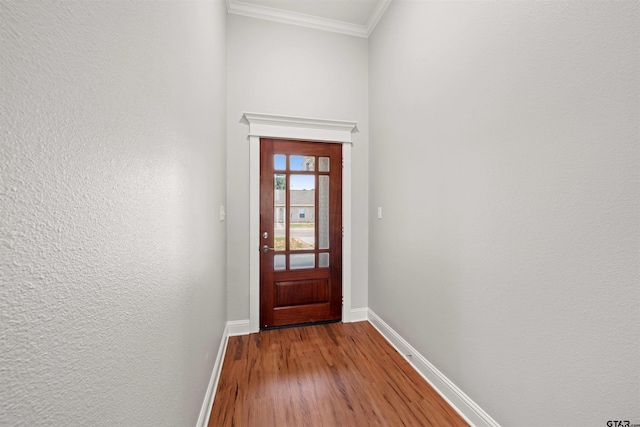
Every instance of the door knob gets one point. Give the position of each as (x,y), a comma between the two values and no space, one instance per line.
(266,249)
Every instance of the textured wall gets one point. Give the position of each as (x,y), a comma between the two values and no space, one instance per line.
(112,258)
(290,70)
(511,130)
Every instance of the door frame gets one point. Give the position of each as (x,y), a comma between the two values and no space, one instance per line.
(305,129)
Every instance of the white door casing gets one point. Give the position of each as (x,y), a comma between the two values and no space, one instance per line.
(305,129)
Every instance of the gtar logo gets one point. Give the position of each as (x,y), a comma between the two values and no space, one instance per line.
(616,423)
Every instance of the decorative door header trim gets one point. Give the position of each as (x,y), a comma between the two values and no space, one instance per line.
(290,127)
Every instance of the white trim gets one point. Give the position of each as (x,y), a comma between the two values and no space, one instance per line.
(210,394)
(380,9)
(346,233)
(238,327)
(291,127)
(458,400)
(280,15)
(359,314)
(287,127)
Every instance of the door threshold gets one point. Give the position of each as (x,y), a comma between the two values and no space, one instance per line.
(322,322)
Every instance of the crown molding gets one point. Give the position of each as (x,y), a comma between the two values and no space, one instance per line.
(278,15)
(380,9)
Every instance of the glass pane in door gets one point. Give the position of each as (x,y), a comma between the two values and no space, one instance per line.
(280,162)
(279,262)
(302,212)
(323,164)
(279,211)
(302,261)
(323,260)
(323,212)
(302,163)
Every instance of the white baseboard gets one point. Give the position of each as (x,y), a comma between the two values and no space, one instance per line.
(205,411)
(231,329)
(359,314)
(238,327)
(459,401)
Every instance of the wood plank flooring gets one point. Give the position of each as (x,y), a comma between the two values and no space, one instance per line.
(323,375)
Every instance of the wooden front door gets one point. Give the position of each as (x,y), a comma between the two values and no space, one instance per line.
(300,232)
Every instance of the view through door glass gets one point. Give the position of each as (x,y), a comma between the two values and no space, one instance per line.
(301,232)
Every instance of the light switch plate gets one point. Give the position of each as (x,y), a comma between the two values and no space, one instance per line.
(223,214)
(379,213)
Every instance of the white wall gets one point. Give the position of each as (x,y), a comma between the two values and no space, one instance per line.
(283,69)
(504,152)
(112,258)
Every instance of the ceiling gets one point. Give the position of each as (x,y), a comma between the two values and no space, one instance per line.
(354,17)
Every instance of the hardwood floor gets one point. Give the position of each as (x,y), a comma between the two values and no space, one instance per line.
(324,375)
